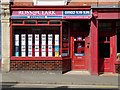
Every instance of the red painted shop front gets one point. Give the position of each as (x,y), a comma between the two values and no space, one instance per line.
(77,42)
(73,29)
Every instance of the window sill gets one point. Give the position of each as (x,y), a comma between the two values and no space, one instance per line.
(36,58)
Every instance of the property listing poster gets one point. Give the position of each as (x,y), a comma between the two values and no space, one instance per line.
(56,45)
(43,45)
(16,45)
(23,45)
(50,37)
(36,45)
(30,36)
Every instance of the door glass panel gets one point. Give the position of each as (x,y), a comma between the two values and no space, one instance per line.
(108,38)
(105,50)
(79,48)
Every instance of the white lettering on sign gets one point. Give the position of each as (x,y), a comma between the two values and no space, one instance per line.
(29,12)
(78,12)
(36,13)
(69,12)
(48,13)
(86,12)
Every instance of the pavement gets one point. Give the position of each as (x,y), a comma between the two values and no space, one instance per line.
(69,78)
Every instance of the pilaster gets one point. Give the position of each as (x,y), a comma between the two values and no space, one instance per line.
(5,21)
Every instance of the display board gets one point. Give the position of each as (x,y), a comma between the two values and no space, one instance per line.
(16,45)
(30,36)
(50,48)
(43,45)
(36,45)
(87,14)
(23,45)
(56,45)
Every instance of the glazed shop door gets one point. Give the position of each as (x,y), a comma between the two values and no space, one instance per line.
(105,47)
(79,51)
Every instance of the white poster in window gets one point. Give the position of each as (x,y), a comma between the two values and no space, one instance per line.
(29,54)
(30,48)
(43,45)
(23,49)
(16,40)
(16,45)
(49,48)
(36,48)
(17,37)
(50,54)
(23,54)
(23,39)
(43,39)
(36,54)
(56,39)
(43,54)
(29,39)
(36,45)
(36,39)
(50,39)
(43,48)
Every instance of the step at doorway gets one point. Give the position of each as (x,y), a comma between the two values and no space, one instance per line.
(78,72)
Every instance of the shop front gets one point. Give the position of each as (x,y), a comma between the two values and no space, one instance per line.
(50,39)
(62,38)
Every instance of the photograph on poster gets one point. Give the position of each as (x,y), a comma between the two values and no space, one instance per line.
(56,48)
(23,54)
(56,54)
(36,54)
(43,54)
(43,48)
(50,48)
(50,54)
(29,54)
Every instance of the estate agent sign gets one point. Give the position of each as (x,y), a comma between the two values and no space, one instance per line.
(52,14)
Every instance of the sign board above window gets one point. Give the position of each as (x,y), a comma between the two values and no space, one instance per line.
(52,14)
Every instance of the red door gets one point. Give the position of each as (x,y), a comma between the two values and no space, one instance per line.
(79,41)
(105,47)
(105,54)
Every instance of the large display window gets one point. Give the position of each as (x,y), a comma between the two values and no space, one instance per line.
(36,39)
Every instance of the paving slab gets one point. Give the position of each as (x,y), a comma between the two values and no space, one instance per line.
(53,78)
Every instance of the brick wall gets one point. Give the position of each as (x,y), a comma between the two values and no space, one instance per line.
(66,64)
(41,65)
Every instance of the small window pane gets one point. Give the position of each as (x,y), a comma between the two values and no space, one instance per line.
(102,38)
(17,21)
(108,38)
(105,50)
(30,21)
(42,22)
(54,22)
(79,48)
